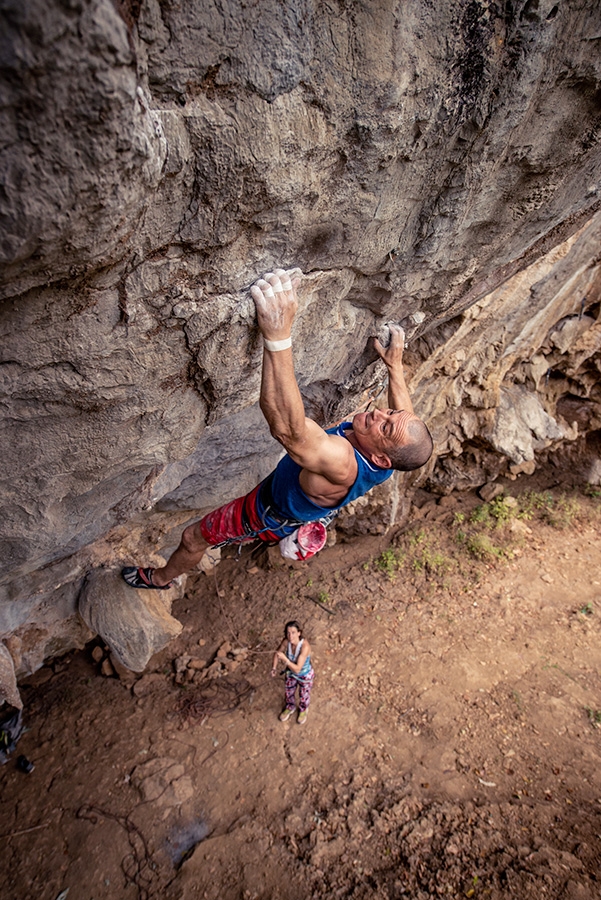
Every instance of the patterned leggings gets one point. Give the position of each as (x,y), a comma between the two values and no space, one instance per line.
(304,684)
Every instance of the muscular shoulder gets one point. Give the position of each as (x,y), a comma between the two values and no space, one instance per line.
(327,455)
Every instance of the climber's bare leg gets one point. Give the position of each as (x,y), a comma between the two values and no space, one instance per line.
(184,559)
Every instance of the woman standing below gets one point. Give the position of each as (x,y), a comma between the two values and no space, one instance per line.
(295,651)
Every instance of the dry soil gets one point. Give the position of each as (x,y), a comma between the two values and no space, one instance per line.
(452,747)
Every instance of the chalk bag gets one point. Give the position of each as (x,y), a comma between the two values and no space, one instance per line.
(305,542)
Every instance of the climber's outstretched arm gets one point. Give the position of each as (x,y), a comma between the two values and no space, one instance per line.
(392,356)
(281,402)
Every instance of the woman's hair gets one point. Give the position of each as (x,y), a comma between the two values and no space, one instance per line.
(293,624)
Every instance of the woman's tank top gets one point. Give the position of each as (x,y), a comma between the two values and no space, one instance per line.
(306,669)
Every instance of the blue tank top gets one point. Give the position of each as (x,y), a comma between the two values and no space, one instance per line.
(291,502)
(306,669)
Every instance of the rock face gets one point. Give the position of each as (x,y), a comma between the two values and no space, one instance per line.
(437,164)
(520,372)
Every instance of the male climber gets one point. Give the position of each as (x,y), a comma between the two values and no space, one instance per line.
(322,471)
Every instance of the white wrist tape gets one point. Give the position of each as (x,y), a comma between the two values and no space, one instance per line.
(274,346)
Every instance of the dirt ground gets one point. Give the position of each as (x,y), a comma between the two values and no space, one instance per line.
(452,748)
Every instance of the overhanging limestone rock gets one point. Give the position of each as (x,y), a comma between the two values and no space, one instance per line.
(523,426)
(415,166)
(135,624)
(518,373)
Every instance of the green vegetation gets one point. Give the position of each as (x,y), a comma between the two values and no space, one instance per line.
(499,515)
(593,491)
(532,502)
(560,512)
(496,513)
(420,552)
(389,562)
(430,559)
(481,515)
(564,513)
(489,534)
(481,547)
(471,890)
(487,519)
(594,716)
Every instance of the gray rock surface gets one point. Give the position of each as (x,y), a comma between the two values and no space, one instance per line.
(134,623)
(9,692)
(502,388)
(436,164)
(83,150)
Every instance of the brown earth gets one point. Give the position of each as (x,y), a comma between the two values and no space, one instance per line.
(452,747)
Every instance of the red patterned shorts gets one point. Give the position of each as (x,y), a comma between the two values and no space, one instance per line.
(237,522)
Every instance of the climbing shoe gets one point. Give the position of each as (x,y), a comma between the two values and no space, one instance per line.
(137,577)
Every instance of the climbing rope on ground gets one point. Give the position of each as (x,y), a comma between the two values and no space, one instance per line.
(138,866)
(218,697)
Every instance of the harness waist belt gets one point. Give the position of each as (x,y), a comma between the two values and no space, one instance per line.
(270,509)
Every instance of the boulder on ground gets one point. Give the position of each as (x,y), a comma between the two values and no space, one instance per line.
(134,623)
(9,692)
(490,490)
(127,677)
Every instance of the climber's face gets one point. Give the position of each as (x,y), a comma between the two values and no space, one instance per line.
(293,635)
(380,430)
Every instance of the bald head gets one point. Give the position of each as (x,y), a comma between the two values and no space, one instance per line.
(415,451)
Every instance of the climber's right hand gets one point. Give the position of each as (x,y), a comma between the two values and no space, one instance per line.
(276,302)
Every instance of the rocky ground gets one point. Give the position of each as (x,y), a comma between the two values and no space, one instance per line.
(453,745)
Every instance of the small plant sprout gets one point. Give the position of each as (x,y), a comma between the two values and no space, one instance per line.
(558,513)
(593,490)
(388,562)
(566,510)
(502,509)
(480,515)
(418,537)
(471,890)
(481,547)
(594,716)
